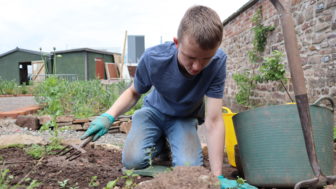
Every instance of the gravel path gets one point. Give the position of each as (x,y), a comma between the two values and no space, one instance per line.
(8,127)
(12,103)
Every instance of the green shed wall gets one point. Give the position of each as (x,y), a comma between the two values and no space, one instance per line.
(74,63)
(9,64)
(71,63)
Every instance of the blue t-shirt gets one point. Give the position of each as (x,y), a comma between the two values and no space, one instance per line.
(174,94)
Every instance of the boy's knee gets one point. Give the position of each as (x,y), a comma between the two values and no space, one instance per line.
(188,161)
(132,160)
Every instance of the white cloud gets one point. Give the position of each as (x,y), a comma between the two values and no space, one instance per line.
(98,24)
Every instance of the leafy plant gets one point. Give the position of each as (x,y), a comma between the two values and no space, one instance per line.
(36,151)
(111,184)
(79,98)
(12,88)
(240,182)
(271,69)
(260,32)
(129,180)
(94,182)
(129,176)
(6,178)
(246,84)
(64,183)
(264,69)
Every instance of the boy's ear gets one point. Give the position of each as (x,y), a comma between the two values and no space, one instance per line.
(176,42)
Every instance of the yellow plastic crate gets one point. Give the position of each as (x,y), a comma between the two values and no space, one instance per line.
(230,135)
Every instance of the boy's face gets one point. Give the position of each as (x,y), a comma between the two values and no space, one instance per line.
(191,57)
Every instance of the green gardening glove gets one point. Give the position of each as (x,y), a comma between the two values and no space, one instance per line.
(226,184)
(99,126)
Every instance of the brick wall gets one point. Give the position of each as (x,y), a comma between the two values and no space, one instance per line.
(315,24)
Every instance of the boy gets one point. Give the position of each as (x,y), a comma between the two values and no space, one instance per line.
(181,72)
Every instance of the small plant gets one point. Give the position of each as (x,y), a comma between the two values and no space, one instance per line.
(33,183)
(246,84)
(150,152)
(36,151)
(111,184)
(64,183)
(240,182)
(94,182)
(6,178)
(334,133)
(129,176)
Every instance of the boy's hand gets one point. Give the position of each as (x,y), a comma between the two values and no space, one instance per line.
(99,126)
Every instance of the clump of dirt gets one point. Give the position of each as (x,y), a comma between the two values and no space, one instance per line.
(182,178)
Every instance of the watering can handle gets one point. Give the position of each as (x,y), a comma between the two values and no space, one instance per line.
(227,109)
(317,102)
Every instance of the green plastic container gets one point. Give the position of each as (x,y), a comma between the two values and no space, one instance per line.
(272,148)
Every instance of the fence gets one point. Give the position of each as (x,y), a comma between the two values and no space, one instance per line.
(42,77)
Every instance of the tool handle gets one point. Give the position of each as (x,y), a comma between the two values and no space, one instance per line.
(317,102)
(86,141)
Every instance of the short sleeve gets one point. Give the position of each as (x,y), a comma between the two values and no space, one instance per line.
(216,88)
(142,81)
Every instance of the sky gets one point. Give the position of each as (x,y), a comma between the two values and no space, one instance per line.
(97,24)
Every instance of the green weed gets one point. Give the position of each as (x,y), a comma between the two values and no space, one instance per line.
(111,184)
(13,146)
(240,182)
(64,183)
(6,178)
(79,98)
(129,180)
(36,151)
(94,181)
(13,88)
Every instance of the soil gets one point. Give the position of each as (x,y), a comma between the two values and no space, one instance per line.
(103,163)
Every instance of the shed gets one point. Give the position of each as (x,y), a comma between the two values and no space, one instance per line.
(81,62)
(17,64)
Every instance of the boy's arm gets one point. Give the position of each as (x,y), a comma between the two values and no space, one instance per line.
(215,134)
(125,101)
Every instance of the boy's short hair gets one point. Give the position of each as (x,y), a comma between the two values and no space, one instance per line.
(203,24)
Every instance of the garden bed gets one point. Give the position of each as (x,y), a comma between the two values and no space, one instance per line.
(93,169)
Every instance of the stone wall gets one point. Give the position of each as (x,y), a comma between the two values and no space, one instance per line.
(315,24)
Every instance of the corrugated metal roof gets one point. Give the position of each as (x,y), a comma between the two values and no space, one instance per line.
(21,50)
(239,11)
(84,49)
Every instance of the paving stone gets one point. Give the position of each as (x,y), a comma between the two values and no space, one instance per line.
(125,127)
(62,119)
(84,120)
(44,119)
(31,122)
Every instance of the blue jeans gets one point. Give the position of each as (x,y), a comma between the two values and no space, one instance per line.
(145,139)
